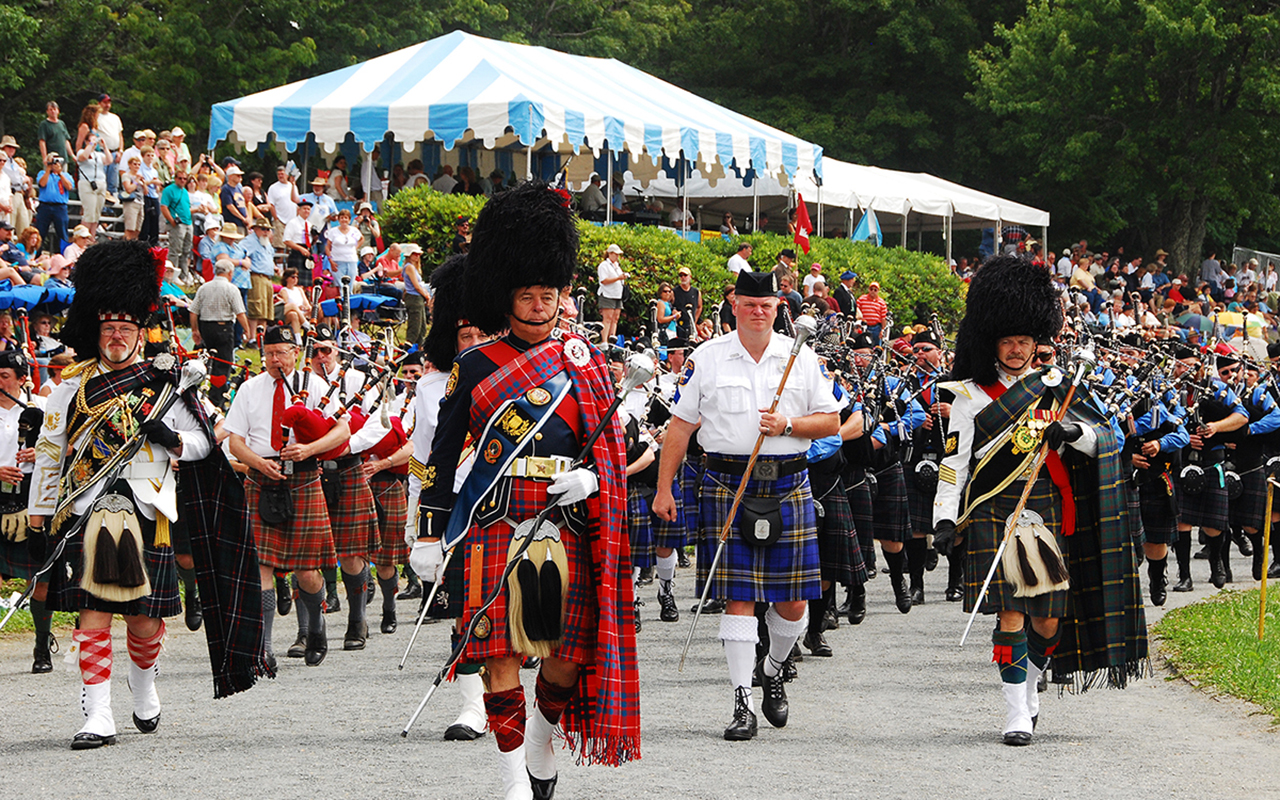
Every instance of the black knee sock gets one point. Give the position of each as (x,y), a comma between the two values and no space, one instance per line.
(357,595)
(189,589)
(955,571)
(389,588)
(42,617)
(1156,568)
(311,605)
(894,560)
(762,630)
(817,612)
(1182,551)
(304,614)
(1224,549)
(917,553)
(1215,549)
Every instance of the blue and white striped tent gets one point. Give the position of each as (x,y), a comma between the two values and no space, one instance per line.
(458,87)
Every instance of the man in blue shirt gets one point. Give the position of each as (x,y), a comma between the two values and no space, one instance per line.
(175,207)
(54,189)
(262,272)
(323,211)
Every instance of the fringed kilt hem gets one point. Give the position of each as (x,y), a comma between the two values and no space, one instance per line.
(1134,503)
(861,506)
(788,569)
(1158,504)
(673,533)
(14,561)
(920,503)
(892,518)
(306,541)
(640,529)
(1207,508)
(352,516)
(580,606)
(65,593)
(985,529)
(391,503)
(839,554)
(1248,510)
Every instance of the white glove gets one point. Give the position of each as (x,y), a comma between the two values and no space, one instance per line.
(427,558)
(574,486)
(411,522)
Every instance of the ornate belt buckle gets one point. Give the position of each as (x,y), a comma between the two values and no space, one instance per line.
(765,471)
(536,467)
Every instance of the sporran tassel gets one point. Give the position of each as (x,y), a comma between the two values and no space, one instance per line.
(106,560)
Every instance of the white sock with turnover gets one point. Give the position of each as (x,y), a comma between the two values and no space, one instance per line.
(739,636)
(635,579)
(783,634)
(666,571)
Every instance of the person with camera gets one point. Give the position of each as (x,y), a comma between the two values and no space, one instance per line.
(91,159)
(53,187)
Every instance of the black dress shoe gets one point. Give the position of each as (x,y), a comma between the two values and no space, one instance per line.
(818,645)
(954,594)
(917,597)
(744,725)
(1202,554)
(1184,584)
(930,560)
(90,741)
(714,605)
(829,621)
(299,648)
(543,788)
(1017,738)
(332,604)
(357,635)
(1274,571)
(284,596)
(646,576)
(1242,542)
(317,647)
(843,608)
(857,608)
(458,732)
(774,705)
(682,559)
(669,612)
(41,657)
(146,725)
(193,614)
(902,596)
(635,613)
(1158,593)
(388,622)
(1217,576)
(411,592)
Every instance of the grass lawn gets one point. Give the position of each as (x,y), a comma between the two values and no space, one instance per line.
(1215,644)
(21,622)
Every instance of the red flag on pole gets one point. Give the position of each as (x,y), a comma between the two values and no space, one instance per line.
(803,226)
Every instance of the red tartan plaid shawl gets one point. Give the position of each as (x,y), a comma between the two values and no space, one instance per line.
(602,721)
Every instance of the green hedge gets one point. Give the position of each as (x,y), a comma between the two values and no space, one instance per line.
(651,256)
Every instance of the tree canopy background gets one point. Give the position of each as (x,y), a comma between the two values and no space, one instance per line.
(1143,123)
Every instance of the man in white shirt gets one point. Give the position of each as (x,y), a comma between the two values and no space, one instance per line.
(112,131)
(738,261)
(283,197)
(681,220)
(445,183)
(592,199)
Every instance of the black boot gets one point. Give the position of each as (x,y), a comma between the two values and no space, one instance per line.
(901,594)
(413,586)
(829,621)
(46,645)
(1242,541)
(1158,579)
(1255,539)
(955,577)
(1182,551)
(814,641)
(1216,574)
(857,604)
(917,549)
(843,608)
(744,725)
(1224,554)
(284,596)
(193,613)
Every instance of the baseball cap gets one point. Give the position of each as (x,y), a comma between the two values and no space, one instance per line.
(613,248)
(234,170)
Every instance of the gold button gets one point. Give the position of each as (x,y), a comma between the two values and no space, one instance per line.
(537,437)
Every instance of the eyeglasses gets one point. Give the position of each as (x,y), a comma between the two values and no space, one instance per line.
(121,331)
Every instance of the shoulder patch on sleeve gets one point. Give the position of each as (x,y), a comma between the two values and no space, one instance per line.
(955,387)
(687,373)
(952,442)
(822,365)
(453,380)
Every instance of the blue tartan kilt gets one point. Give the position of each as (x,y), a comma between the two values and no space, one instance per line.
(1159,510)
(1208,508)
(690,480)
(892,517)
(1248,510)
(838,549)
(675,533)
(982,535)
(789,569)
(919,503)
(639,529)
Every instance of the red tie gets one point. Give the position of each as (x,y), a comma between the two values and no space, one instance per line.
(277,417)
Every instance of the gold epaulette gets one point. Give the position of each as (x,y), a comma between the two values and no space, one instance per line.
(76,368)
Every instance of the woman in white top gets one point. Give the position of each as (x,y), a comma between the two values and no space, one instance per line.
(6,190)
(337,184)
(341,245)
(293,298)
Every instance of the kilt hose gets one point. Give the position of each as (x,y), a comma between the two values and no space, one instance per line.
(580,607)
(861,506)
(391,503)
(788,569)
(1249,509)
(640,529)
(1158,504)
(674,533)
(65,593)
(982,536)
(1209,507)
(919,502)
(1134,501)
(352,515)
(305,542)
(892,522)
(839,554)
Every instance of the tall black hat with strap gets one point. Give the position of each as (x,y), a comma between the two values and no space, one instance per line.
(116,280)
(1008,296)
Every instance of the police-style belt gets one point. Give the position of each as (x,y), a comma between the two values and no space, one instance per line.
(546,467)
(763,470)
(339,464)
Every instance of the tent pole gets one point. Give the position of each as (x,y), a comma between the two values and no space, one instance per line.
(905,216)
(528,163)
(920,235)
(850,236)
(947,223)
(608,206)
(819,209)
(684,201)
(1044,243)
(755,201)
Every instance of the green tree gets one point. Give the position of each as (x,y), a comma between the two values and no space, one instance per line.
(1149,115)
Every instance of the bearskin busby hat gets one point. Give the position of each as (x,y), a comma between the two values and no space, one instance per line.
(116,280)
(1008,296)
(441,345)
(522,237)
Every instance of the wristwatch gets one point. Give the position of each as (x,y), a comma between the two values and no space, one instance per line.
(786,430)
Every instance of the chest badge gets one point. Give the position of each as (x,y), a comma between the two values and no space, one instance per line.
(538,396)
(577,352)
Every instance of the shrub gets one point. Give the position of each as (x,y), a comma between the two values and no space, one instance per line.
(429,218)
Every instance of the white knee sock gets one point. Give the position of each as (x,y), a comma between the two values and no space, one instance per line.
(783,634)
(739,636)
(667,567)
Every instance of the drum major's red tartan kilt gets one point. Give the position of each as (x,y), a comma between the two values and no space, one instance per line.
(581,606)
(390,494)
(305,542)
(353,517)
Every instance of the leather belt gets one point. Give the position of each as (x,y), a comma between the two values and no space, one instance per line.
(145,470)
(339,464)
(763,470)
(301,466)
(545,467)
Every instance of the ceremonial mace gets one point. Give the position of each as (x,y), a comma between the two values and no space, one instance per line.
(193,374)
(805,326)
(640,369)
(1087,360)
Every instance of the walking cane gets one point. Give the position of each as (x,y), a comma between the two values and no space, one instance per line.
(1087,361)
(1266,559)
(804,326)
(640,368)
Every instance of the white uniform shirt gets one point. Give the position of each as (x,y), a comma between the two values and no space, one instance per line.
(426,415)
(9,444)
(724,388)
(373,431)
(352,381)
(250,414)
(970,399)
(149,473)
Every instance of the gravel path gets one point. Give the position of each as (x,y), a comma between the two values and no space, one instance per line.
(900,711)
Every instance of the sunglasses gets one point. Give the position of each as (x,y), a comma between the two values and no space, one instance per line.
(923,348)
(1045,357)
